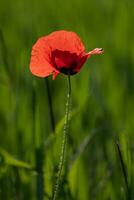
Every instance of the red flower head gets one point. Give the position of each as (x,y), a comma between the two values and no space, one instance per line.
(61,51)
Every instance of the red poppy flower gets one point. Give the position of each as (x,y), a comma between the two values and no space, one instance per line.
(61,51)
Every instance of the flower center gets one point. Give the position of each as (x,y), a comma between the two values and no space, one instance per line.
(65,62)
(69,70)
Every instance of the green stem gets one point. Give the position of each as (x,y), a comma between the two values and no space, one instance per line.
(64,141)
(50,104)
(16,183)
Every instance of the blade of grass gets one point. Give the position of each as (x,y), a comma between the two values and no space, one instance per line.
(124,170)
(38,151)
(10,160)
(81,147)
(4,53)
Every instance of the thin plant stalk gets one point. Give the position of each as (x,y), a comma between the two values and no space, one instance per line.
(39,177)
(16,183)
(50,104)
(64,141)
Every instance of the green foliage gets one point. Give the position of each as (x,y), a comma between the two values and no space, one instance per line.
(102,103)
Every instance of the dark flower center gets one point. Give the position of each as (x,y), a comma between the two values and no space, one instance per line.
(70,70)
(65,62)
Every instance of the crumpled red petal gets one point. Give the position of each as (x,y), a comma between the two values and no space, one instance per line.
(65,41)
(40,63)
(64,59)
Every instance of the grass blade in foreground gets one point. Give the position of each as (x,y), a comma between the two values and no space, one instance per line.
(124,170)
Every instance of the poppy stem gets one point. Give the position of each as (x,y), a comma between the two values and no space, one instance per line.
(69,85)
(64,141)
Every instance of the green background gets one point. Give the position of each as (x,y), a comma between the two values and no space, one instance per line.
(102,102)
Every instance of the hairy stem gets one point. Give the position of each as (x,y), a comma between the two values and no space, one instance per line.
(64,141)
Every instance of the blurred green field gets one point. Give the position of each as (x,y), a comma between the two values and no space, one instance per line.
(102,103)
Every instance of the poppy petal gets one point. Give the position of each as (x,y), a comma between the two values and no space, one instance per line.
(65,41)
(95,52)
(64,59)
(55,73)
(40,63)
